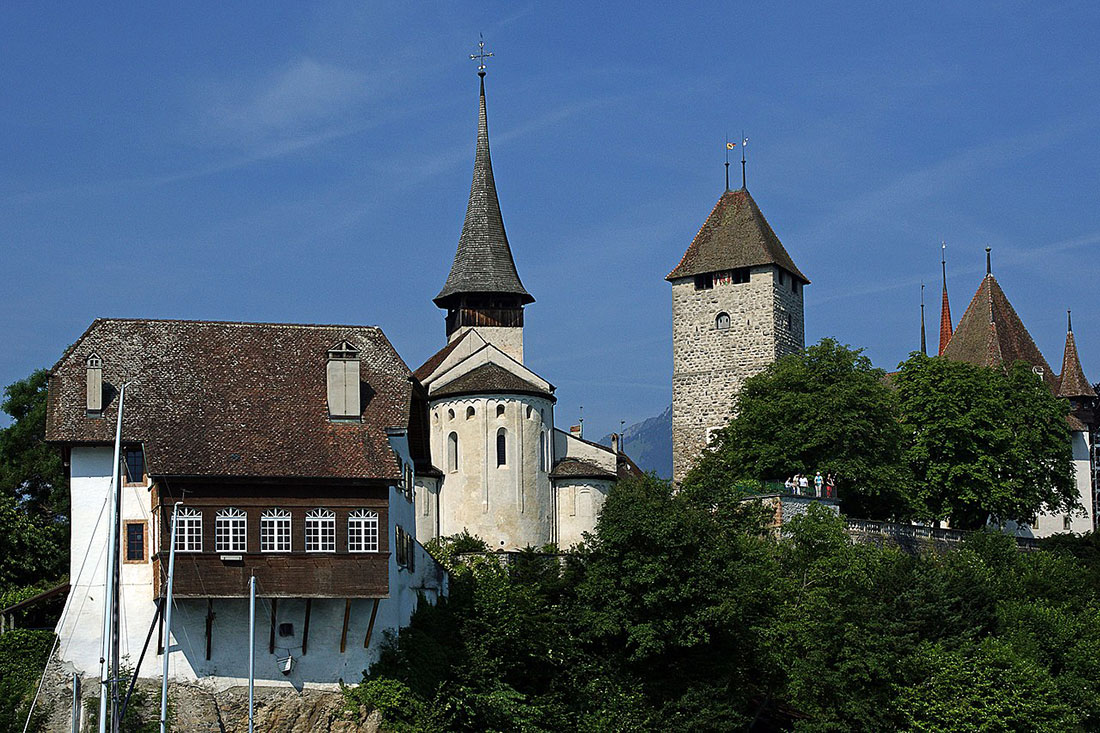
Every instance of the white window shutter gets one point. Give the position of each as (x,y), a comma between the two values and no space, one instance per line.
(351,388)
(95,389)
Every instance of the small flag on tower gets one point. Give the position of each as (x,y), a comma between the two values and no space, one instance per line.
(730,146)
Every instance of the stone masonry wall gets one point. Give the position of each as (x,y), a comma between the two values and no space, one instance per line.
(710,364)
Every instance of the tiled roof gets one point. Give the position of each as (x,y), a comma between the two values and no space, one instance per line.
(483,262)
(945,320)
(991,334)
(489,379)
(576,468)
(1072,383)
(234,399)
(735,235)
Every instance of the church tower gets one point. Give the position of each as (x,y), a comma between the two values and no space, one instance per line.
(736,308)
(483,289)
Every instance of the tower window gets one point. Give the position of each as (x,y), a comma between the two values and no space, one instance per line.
(470,412)
(450,414)
(502,447)
(788,322)
(542,450)
(722,322)
(452,452)
(500,410)
(704,281)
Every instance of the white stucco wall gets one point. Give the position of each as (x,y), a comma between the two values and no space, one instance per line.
(579,504)
(566,446)
(1048,524)
(508,339)
(323,666)
(509,506)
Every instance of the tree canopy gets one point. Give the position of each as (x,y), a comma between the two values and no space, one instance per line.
(984,442)
(30,470)
(823,409)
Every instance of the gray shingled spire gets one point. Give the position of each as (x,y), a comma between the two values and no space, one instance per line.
(483,262)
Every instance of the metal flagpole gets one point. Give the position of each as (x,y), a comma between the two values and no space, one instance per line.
(105,684)
(168,622)
(251,647)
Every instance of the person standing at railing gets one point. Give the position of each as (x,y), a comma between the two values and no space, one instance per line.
(818,483)
(789,484)
(803,484)
(830,486)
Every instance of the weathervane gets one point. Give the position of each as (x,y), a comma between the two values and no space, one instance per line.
(481,55)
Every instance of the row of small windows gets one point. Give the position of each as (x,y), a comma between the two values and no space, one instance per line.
(231,531)
(738,276)
(471,412)
(722,321)
(502,450)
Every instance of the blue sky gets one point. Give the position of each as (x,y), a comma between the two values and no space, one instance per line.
(310,162)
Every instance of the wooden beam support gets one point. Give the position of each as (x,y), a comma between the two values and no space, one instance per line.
(344,635)
(305,629)
(370,626)
(209,625)
(160,627)
(271,639)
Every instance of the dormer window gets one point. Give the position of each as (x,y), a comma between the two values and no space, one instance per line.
(95,384)
(343,381)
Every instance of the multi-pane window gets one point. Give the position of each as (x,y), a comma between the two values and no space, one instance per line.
(230,531)
(320,531)
(135,541)
(189,530)
(135,466)
(363,531)
(275,531)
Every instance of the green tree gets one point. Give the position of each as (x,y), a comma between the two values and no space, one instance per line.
(984,442)
(30,470)
(824,409)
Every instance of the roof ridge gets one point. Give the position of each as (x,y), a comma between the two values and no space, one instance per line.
(196,321)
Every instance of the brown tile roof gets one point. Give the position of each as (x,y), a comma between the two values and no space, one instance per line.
(576,468)
(483,262)
(991,334)
(234,399)
(490,379)
(735,235)
(437,358)
(945,320)
(1072,383)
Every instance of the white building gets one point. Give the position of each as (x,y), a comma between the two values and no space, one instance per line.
(292,451)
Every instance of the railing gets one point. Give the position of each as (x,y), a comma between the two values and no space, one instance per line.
(937,534)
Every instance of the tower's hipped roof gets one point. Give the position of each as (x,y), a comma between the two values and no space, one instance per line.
(483,262)
(736,234)
(1072,383)
(991,334)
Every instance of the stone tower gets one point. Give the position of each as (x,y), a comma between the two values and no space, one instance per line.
(483,289)
(736,307)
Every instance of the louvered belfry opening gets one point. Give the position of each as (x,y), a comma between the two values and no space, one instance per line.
(484,310)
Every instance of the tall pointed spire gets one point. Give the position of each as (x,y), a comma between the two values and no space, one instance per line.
(923,338)
(1073,384)
(945,306)
(483,264)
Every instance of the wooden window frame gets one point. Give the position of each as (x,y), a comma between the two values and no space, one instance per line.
(126,523)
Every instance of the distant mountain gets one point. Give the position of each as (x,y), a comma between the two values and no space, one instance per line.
(649,443)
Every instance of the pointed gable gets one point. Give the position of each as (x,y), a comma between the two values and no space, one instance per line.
(991,334)
(483,262)
(736,234)
(1072,383)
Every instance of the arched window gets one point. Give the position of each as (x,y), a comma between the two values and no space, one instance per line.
(469,412)
(362,531)
(500,410)
(722,321)
(529,411)
(188,530)
(452,452)
(502,447)
(320,531)
(275,531)
(230,531)
(450,414)
(542,450)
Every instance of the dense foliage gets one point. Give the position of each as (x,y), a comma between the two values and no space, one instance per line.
(940,440)
(34,538)
(682,614)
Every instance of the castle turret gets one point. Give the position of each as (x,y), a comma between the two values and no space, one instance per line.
(736,308)
(1072,383)
(483,289)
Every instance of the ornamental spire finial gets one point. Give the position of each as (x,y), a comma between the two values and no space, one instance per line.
(481,55)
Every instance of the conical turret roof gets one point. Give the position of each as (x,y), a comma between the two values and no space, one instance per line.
(1072,383)
(991,334)
(736,234)
(483,262)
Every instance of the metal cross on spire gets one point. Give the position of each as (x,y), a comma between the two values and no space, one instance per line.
(481,55)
